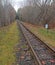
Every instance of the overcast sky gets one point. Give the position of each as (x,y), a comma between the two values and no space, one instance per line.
(17,3)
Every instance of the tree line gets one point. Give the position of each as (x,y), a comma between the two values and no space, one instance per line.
(7,13)
(38,12)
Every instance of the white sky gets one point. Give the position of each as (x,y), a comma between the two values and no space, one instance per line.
(17,4)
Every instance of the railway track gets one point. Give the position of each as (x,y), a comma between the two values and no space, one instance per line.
(42,54)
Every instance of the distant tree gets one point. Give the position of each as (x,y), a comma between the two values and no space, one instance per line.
(1,13)
(7,13)
(38,11)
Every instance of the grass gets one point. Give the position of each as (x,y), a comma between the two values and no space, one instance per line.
(8,39)
(48,36)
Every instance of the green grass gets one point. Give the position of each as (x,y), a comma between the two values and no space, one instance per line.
(47,33)
(9,37)
(46,36)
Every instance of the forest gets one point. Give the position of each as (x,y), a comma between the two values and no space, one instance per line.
(39,12)
(7,13)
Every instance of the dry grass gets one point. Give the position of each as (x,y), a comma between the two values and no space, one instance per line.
(8,39)
(48,36)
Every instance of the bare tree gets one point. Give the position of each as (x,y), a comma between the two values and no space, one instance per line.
(7,12)
(38,11)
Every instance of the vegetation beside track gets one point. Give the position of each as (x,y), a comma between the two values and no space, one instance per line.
(48,36)
(9,37)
